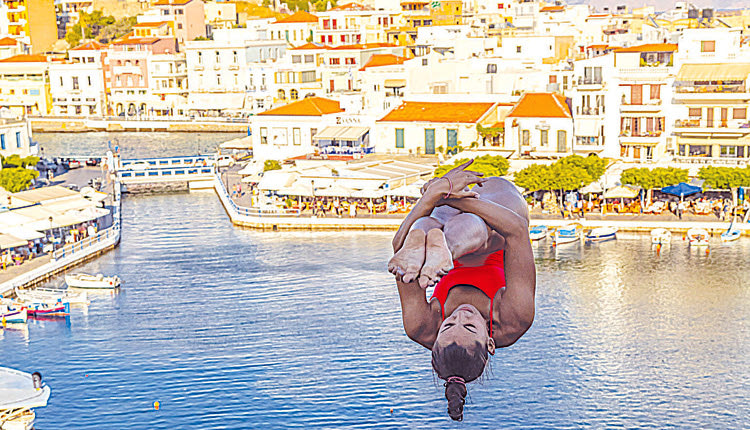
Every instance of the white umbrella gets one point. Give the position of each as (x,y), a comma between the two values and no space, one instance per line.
(621,191)
(297,189)
(592,188)
(335,190)
(411,190)
(369,194)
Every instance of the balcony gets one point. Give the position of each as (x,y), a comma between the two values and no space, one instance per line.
(130,70)
(641,138)
(645,72)
(711,92)
(589,83)
(649,106)
(728,127)
(234,67)
(198,67)
(590,111)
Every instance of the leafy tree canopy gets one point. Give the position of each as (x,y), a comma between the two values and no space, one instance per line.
(271,165)
(15,179)
(569,173)
(724,177)
(654,178)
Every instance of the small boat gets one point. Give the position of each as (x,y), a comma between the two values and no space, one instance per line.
(37,309)
(601,234)
(566,234)
(53,295)
(11,315)
(697,237)
(538,233)
(732,233)
(660,236)
(83,280)
(19,393)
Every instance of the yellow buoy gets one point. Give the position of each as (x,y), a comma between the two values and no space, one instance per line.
(156,405)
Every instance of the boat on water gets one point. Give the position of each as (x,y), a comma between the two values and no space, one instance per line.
(58,309)
(84,280)
(661,236)
(19,393)
(698,237)
(538,233)
(50,295)
(601,234)
(733,233)
(13,315)
(566,234)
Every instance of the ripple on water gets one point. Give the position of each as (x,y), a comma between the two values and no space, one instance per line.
(233,328)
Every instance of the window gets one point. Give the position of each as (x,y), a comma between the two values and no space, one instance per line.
(708,46)
(525,137)
(92,110)
(78,109)
(296,137)
(728,151)
(543,137)
(307,76)
(61,81)
(179,26)
(2,141)
(89,80)
(218,58)
(695,112)
(309,58)
(263,130)
(91,59)
(518,49)
(282,95)
(399,138)
(739,113)
(234,57)
(349,60)
(75,82)
(424,61)
(492,68)
(552,79)
(334,61)
(218,80)
(259,104)
(18,139)
(200,58)
(296,59)
(655,92)
(293,94)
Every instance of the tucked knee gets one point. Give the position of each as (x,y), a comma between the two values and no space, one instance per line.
(465,233)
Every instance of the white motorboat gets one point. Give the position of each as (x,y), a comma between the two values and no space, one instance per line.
(733,233)
(84,280)
(19,392)
(661,236)
(601,234)
(698,237)
(538,233)
(50,295)
(566,234)
(11,314)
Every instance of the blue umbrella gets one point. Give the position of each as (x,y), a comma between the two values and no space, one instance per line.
(682,189)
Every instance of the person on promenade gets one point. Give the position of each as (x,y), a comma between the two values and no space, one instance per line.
(475,248)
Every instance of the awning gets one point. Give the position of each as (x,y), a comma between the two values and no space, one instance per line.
(335,190)
(587,127)
(621,191)
(394,83)
(713,72)
(297,189)
(340,132)
(21,233)
(215,101)
(8,241)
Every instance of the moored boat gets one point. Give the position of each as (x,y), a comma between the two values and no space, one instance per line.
(53,295)
(538,233)
(58,309)
(566,234)
(601,234)
(697,237)
(731,235)
(19,392)
(13,315)
(84,280)
(661,236)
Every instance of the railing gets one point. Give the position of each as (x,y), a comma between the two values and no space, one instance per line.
(581,110)
(652,102)
(627,133)
(701,123)
(166,172)
(589,81)
(710,89)
(346,150)
(252,211)
(166,162)
(728,161)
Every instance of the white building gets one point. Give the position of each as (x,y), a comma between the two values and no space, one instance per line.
(297,29)
(595,107)
(77,88)
(540,126)
(298,74)
(287,131)
(340,68)
(168,84)
(220,14)
(432,127)
(382,81)
(15,138)
(353,23)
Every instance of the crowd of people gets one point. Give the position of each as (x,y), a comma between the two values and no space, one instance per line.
(54,239)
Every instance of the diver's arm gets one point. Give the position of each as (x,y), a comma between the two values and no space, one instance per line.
(421,320)
(515,306)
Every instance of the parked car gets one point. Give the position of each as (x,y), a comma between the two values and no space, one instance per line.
(225,161)
(92,162)
(138,165)
(74,164)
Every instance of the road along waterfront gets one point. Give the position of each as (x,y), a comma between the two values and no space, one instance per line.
(235,328)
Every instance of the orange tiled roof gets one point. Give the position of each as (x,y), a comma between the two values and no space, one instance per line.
(171,2)
(129,40)
(366,46)
(90,46)
(300,16)
(597,47)
(541,105)
(599,15)
(24,58)
(651,47)
(378,60)
(438,112)
(8,41)
(311,106)
(312,46)
(150,24)
(352,7)
(553,9)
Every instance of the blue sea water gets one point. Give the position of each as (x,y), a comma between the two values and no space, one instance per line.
(234,328)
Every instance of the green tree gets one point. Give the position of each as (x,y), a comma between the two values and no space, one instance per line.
(117,29)
(534,177)
(724,177)
(490,165)
(593,165)
(15,179)
(31,160)
(90,24)
(12,161)
(271,165)
(649,179)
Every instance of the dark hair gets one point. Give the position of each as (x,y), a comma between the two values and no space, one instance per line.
(466,363)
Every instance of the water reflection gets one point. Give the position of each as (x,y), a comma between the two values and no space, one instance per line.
(233,328)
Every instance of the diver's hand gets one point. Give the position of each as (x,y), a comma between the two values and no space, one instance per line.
(455,183)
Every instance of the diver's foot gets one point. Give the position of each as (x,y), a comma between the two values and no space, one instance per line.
(438,259)
(407,262)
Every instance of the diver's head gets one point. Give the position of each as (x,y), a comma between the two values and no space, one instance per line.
(460,354)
